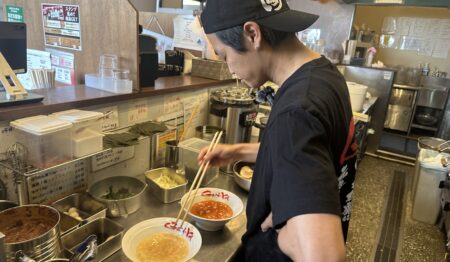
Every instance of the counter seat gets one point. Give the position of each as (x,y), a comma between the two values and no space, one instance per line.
(69,97)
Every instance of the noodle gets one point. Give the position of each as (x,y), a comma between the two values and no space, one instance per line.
(162,247)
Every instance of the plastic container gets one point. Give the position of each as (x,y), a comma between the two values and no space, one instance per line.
(86,131)
(427,194)
(110,84)
(357,95)
(47,139)
(189,150)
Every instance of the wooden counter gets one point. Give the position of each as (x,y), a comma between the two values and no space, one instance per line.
(69,97)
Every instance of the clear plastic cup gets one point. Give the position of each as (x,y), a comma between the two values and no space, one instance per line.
(122,74)
(107,65)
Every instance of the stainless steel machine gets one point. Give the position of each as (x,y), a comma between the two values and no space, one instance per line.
(233,110)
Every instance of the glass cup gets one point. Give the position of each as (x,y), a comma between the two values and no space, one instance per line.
(107,65)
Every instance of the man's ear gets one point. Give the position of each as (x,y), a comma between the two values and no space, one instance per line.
(252,33)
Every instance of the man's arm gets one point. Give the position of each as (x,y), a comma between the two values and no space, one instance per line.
(313,237)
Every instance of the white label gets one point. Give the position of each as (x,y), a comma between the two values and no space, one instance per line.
(138,110)
(111,118)
(387,75)
(112,157)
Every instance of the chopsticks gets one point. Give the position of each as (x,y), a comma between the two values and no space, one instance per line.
(197,181)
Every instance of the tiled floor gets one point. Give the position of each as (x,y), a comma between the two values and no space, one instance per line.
(418,241)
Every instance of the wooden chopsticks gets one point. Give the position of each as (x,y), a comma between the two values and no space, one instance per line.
(197,181)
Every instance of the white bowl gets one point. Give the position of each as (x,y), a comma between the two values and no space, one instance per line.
(217,194)
(146,228)
(242,182)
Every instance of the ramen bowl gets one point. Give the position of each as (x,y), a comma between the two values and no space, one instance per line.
(214,194)
(241,181)
(147,228)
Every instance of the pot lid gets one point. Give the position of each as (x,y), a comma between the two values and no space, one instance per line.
(233,96)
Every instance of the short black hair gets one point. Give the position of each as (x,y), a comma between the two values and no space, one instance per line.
(233,37)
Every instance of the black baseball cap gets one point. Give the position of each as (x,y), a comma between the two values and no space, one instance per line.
(275,14)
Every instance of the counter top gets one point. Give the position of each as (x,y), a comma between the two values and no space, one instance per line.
(69,97)
(216,246)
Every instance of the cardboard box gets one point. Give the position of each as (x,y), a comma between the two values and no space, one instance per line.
(171,3)
(210,69)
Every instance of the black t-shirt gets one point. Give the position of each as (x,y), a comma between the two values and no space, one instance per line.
(306,160)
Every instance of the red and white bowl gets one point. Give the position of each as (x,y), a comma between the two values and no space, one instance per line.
(217,194)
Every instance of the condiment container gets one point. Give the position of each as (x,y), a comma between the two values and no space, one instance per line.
(166,195)
(47,139)
(189,151)
(86,130)
(87,207)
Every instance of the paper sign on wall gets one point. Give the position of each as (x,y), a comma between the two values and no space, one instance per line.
(14,13)
(35,60)
(64,65)
(184,35)
(111,118)
(138,110)
(62,26)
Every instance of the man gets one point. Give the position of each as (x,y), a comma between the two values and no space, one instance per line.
(300,198)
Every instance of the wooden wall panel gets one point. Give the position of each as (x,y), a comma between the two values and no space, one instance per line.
(107,27)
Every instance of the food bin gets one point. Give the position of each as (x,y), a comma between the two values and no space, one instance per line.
(87,207)
(47,139)
(168,195)
(189,150)
(109,237)
(86,131)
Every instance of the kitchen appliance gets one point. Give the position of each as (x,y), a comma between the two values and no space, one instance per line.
(401,105)
(234,110)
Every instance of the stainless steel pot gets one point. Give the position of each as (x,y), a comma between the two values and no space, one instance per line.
(5,204)
(120,207)
(41,247)
(207,132)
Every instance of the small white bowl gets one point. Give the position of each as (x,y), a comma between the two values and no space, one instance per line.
(217,194)
(146,228)
(242,182)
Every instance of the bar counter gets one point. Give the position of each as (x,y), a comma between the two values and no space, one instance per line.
(69,97)
(216,246)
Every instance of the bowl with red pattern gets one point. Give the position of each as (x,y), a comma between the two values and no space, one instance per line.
(212,208)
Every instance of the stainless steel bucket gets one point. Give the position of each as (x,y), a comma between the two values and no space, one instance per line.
(120,207)
(41,247)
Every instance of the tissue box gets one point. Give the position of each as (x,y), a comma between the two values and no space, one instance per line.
(210,69)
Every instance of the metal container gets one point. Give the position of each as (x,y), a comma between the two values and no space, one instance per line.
(5,204)
(171,156)
(67,223)
(42,247)
(233,110)
(88,208)
(207,132)
(120,207)
(109,237)
(166,195)
(433,97)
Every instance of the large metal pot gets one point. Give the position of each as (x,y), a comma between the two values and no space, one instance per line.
(119,207)
(5,204)
(34,229)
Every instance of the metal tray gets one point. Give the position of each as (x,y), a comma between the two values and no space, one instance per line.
(67,223)
(88,208)
(166,195)
(109,237)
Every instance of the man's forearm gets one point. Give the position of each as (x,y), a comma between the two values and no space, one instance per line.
(247,152)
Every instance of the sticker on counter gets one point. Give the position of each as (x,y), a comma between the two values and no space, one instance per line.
(14,13)
(62,26)
(64,65)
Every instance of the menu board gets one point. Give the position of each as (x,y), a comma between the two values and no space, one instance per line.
(62,26)
(51,184)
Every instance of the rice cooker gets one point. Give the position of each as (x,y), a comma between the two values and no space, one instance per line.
(234,110)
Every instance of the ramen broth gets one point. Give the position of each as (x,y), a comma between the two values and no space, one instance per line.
(212,209)
(163,247)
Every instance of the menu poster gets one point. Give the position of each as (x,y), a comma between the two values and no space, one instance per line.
(62,26)
(14,13)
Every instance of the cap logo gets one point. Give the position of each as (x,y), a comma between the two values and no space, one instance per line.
(272,5)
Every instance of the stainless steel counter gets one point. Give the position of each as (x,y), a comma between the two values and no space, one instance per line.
(216,246)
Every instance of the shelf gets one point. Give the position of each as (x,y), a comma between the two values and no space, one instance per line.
(429,128)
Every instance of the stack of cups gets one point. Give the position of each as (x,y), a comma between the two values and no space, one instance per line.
(108,63)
